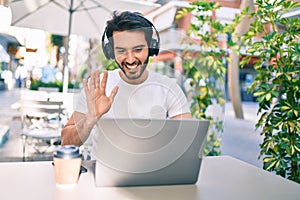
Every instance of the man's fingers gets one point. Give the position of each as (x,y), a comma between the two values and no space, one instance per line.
(104,80)
(113,93)
(85,86)
(97,78)
(94,80)
(92,83)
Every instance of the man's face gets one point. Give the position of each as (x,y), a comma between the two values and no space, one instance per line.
(131,53)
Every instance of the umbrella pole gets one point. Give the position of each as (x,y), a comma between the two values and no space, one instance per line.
(66,68)
(65,79)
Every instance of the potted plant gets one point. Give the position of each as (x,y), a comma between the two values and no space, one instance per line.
(274,40)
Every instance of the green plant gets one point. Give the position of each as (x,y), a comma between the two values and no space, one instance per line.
(57,40)
(277,84)
(35,84)
(206,68)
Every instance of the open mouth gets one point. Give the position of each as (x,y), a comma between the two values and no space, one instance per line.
(131,65)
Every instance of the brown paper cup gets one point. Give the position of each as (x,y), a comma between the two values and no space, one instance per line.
(66,171)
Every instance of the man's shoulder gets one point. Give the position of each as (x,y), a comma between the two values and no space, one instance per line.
(113,75)
(114,72)
(155,76)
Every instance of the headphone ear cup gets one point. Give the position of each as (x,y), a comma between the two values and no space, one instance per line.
(154,48)
(108,51)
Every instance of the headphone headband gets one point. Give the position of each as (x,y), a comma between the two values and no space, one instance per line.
(154,46)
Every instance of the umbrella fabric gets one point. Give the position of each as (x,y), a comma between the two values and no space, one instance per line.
(88,16)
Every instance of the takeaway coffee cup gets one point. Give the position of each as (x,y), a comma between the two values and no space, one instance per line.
(67,162)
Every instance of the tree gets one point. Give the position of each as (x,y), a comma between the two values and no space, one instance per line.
(233,65)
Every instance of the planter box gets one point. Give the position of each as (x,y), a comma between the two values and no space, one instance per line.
(48,89)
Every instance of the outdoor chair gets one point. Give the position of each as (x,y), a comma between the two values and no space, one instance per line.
(41,126)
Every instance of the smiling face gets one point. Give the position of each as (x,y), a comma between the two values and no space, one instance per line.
(131,53)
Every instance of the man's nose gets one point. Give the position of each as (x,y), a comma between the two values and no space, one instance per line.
(130,58)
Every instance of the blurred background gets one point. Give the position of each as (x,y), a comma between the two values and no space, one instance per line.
(45,48)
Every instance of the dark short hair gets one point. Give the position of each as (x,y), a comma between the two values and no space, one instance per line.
(129,21)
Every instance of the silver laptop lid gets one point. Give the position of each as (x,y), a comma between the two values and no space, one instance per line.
(141,151)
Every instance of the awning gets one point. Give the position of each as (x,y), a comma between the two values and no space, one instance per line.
(163,17)
(8,40)
(4,57)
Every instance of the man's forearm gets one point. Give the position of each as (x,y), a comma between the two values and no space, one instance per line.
(77,130)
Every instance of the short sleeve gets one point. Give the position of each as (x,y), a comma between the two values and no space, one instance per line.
(81,105)
(176,101)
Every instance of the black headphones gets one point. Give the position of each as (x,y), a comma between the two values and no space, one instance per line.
(108,49)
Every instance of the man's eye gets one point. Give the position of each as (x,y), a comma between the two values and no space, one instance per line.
(121,51)
(138,49)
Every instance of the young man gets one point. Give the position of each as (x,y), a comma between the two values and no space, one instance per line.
(131,91)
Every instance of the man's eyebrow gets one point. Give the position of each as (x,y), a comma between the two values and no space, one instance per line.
(135,47)
(139,46)
(119,48)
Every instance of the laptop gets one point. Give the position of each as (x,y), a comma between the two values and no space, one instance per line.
(148,152)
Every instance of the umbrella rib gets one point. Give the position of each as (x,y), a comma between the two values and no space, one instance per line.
(91,18)
(81,4)
(79,7)
(60,5)
(29,13)
(93,7)
(97,5)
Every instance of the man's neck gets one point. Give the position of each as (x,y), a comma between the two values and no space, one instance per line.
(137,81)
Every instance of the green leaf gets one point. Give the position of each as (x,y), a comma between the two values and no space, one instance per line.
(297,148)
(270,165)
(268,159)
(256,94)
(268,96)
(285,108)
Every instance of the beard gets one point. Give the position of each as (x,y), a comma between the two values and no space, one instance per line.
(136,73)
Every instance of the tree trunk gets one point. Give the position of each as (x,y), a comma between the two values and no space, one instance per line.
(233,67)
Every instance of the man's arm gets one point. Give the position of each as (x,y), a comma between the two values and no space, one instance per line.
(78,128)
(183,116)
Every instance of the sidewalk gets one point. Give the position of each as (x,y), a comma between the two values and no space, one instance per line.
(239,138)
(12,149)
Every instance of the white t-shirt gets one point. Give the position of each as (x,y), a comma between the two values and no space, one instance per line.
(157,97)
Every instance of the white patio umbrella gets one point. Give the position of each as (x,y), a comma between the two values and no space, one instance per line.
(66,17)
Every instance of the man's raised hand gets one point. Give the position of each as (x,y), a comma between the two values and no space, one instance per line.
(98,102)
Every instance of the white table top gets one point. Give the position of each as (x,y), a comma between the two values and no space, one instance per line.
(220,177)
